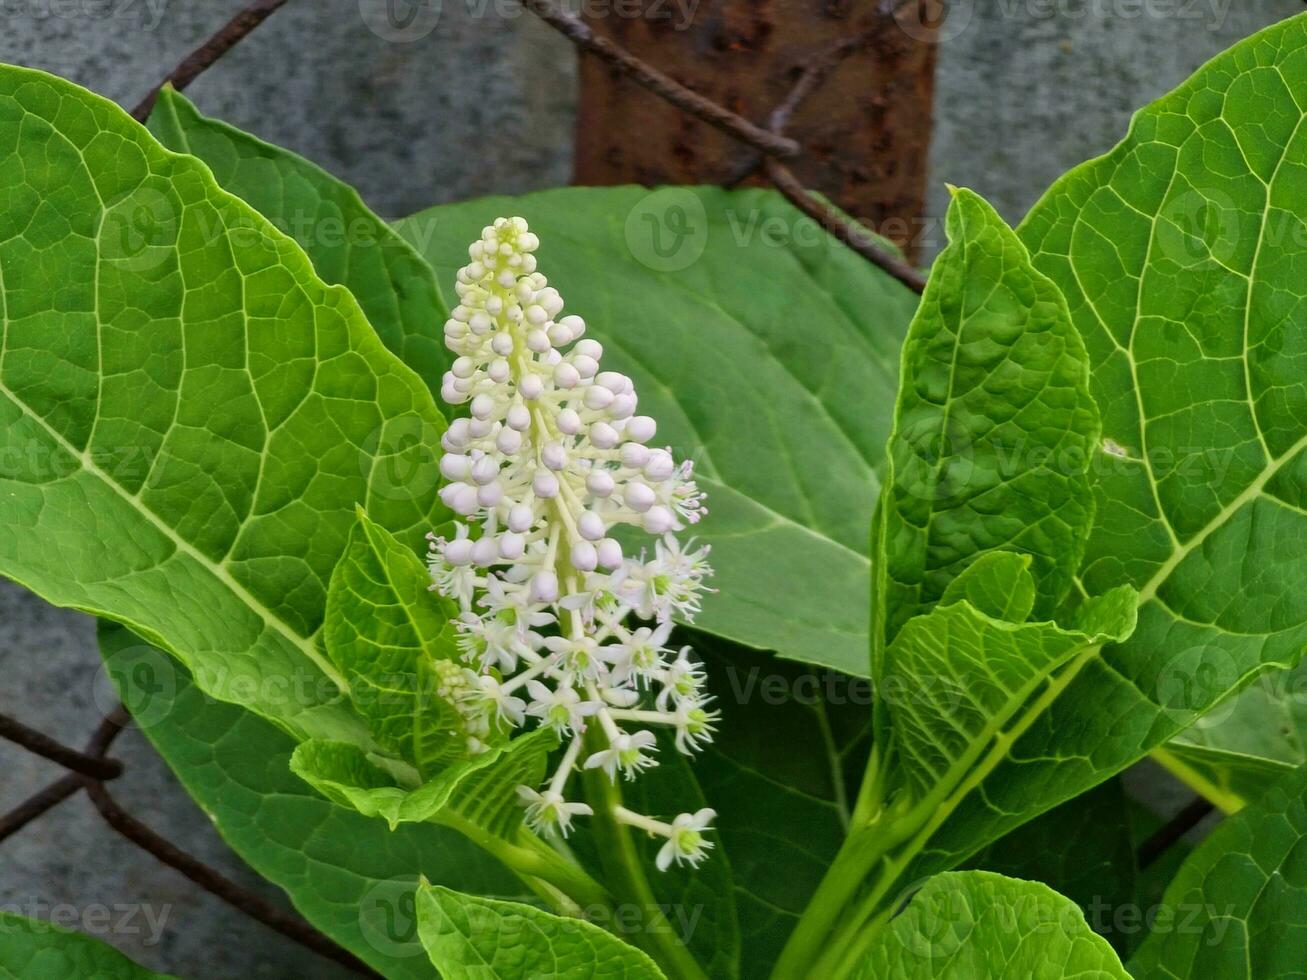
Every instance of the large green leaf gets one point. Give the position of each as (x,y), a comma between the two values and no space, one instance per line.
(347,243)
(347,874)
(188,413)
(1237,910)
(473,938)
(968,925)
(1164,323)
(34,950)
(1180,256)
(993,427)
(766,351)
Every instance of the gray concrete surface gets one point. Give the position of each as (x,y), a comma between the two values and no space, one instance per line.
(479,104)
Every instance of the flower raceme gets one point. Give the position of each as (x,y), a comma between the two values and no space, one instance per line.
(552,459)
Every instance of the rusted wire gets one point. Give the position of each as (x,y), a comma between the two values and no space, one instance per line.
(43,745)
(194,64)
(664,86)
(772,145)
(89,768)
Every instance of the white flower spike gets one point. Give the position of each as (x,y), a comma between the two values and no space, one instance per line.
(553,458)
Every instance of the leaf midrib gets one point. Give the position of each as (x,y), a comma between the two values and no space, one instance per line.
(219,572)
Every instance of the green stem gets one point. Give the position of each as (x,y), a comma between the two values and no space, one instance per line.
(1228,801)
(624,869)
(530,858)
(830,937)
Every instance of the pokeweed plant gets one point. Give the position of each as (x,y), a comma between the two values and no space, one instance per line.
(405,652)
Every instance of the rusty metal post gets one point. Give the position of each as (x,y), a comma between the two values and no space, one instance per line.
(865,130)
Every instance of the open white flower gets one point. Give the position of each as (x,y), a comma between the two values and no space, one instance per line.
(553,459)
(549,812)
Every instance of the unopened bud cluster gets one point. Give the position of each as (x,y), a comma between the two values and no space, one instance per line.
(553,458)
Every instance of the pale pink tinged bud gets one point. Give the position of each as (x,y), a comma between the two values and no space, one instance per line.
(483,407)
(518,417)
(511,546)
(531,387)
(569,423)
(545,485)
(598,397)
(454,466)
(610,553)
(600,483)
(544,587)
(660,465)
(508,441)
(520,518)
(584,557)
(537,341)
(566,376)
(502,344)
(614,381)
(621,407)
(659,520)
(589,348)
(634,455)
(458,551)
(554,456)
(604,436)
(639,497)
(585,366)
(463,367)
(641,428)
(490,495)
(485,551)
(591,526)
(485,469)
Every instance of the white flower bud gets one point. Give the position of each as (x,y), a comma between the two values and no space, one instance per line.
(455,466)
(639,497)
(490,494)
(604,436)
(591,526)
(569,423)
(584,557)
(659,520)
(458,551)
(520,518)
(598,397)
(545,485)
(610,553)
(660,465)
(641,428)
(511,546)
(485,551)
(585,366)
(600,483)
(554,455)
(614,381)
(531,387)
(566,376)
(634,455)
(518,417)
(485,469)
(508,441)
(544,587)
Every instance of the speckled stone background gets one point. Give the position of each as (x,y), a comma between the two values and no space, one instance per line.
(479,103)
